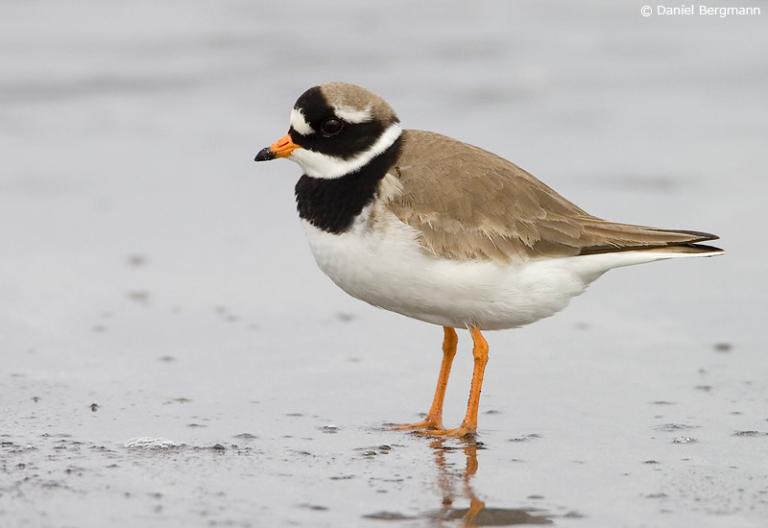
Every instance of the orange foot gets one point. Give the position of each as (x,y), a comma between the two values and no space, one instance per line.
(461,431)
(424,425)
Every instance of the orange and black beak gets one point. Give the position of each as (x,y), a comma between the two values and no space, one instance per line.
(281,148)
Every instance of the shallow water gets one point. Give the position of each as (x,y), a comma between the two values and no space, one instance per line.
(172,356)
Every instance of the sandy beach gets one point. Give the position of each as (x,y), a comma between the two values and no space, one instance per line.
(173,357)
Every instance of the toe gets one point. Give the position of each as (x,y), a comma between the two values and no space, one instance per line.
(458,432)
(426,425)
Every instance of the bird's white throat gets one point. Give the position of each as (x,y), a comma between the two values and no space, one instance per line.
(319,165)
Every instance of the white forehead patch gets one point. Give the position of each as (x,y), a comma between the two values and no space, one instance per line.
(353,115)
(299,123)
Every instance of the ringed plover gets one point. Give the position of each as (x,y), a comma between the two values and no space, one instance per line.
(445,232)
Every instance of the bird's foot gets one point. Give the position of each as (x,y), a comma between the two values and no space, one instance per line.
(429,424)
(462,431)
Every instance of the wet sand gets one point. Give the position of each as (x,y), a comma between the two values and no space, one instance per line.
(172,356)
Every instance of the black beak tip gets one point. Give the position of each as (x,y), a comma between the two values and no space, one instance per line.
(265,154)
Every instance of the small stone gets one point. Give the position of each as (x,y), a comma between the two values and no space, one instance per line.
(313,507)
(750,434)
(672,427)
(723,347)
(139,296)
(136,261)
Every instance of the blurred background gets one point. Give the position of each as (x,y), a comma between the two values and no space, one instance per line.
(149,266)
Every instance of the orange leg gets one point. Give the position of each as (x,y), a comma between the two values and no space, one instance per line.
(434,419)
(469,424)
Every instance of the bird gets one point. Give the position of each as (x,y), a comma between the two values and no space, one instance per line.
(430,227)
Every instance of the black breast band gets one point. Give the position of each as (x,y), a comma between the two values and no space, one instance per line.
(333,204)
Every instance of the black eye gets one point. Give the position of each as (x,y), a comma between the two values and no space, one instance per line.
(331,127)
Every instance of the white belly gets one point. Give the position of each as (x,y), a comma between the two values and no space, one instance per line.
(386,267)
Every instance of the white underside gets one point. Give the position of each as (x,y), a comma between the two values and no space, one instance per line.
(386,267)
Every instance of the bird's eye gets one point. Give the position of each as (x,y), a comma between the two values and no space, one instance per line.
(331,127)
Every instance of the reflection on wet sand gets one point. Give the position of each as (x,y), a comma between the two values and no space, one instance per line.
(477,514)
(456,484)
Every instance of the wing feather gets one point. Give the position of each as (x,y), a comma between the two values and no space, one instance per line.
(467,203)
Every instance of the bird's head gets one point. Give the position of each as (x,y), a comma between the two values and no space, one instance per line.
(336,128)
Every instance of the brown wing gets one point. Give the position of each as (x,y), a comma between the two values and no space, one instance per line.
(468,203)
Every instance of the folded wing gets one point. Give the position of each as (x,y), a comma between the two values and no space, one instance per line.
(467,203)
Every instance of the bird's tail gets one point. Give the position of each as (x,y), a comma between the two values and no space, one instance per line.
(656,244)
(610,237)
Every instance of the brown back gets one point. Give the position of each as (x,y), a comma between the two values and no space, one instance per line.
(468,203)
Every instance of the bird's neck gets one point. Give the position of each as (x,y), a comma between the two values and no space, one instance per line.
(333,204)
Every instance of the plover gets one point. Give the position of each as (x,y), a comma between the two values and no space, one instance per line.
(445,232)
